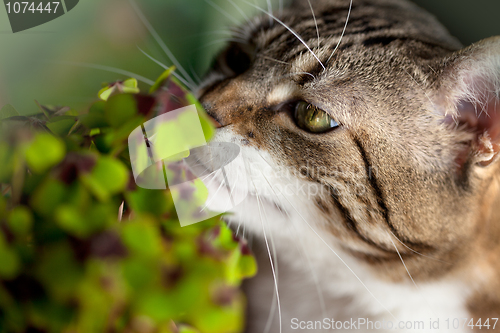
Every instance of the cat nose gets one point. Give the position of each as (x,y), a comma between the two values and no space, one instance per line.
(214,121)
(211,116)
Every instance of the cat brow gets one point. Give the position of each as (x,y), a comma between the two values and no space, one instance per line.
(289,29)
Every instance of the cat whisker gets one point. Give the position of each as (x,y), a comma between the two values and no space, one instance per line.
(407,271)
(333,251)
(207,204)
(275,296)
(232,32)
(270,258)
(250,241)
(238,229)
(286,63)
(289,29)
(109,69)
(160,42)
(275,256)
(222,11)
(315,278)
(432,69)
(186,83)
(343,32)
(196,77)
(270,10)
(206,177)
(315,22)
(412,250)
(400,257)
(272,59)
(238,8)
(296,73)
(244,231)
(223,40)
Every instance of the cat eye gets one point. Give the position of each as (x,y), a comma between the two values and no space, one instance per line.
(313,119)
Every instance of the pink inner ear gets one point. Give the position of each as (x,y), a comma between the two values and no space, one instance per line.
(490,121)
(481,119)
(480,111)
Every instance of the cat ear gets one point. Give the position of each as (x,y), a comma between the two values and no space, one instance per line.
(468,95)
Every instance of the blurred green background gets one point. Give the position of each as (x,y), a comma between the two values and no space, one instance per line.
(40,63)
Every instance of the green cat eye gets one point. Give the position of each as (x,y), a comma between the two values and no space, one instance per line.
(312,119)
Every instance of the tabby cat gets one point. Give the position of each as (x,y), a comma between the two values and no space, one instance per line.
(371,148)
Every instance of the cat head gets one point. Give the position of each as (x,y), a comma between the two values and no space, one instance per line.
(381,134)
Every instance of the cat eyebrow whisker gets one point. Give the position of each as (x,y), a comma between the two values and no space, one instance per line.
(315,22)
(160,42)
(238,8)
(289,64)
(273,59)
(222,40)
(295,74)
(189,85)
(304,73)
(289,29)
(222,11)
(270,10)
(232,32)
(109,69)
(196,77)
(343,32)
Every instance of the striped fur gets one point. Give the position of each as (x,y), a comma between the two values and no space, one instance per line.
(405,191)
